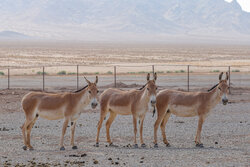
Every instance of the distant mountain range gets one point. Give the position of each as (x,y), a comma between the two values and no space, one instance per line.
(125,19)
(13,35)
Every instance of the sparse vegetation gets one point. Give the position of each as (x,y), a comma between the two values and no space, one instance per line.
(216,71)
(179,71)
(1,73)
(71,73)
(41,73)
(62,73)
(142,72)
(131,72)
(159,72)
(96,73)
(169,71)
(236,70)
(109,72)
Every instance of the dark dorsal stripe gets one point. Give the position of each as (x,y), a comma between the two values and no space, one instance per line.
(213,87)
(81,89)
(142,87)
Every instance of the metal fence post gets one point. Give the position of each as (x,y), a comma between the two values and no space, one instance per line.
(115,76)
(43,79)
(229,79)
(77,77)
(8,78)
(153,69)
(188,78)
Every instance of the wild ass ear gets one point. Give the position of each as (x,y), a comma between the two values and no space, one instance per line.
(155,76)
(96,79)
(220,76)
(227,76)
(87,80)
(148,77)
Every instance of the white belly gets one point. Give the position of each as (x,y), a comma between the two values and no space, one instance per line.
(52,114)
(183,111)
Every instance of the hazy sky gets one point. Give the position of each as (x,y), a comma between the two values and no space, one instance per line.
(245,4)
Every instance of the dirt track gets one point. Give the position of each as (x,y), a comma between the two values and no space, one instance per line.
(225,136)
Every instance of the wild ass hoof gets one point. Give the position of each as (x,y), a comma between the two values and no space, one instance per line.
(96,145)
(74,147)
(112,145)
(136,146)
(156,145)
(31,148)
(200,145)
(143,145)
(167,145)
(24,147)
(62,148)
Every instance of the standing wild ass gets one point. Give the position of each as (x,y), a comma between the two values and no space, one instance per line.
(188,104)
(133,102)
(54,106)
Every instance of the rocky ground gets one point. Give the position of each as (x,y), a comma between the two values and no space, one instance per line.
(225,135)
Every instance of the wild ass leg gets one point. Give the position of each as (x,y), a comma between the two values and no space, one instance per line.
(135,130)
(73,126)
(108,124)
(99,126)
(163,127)
(198,135)
(141,129)
(24,129)
(29,127)
(160,116)
(65,124)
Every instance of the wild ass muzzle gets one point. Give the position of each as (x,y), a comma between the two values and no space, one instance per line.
(188,104)
(132,102)
(54,106)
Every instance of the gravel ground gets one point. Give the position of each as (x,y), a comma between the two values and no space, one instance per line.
(225,135)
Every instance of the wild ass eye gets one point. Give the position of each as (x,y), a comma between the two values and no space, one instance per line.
(98,91)
(89,91)
(147,88)
(219,88)
(156,88)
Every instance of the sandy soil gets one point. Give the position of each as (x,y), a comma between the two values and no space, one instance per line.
(102,57)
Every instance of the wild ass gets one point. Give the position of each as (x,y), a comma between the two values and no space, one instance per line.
(188,104)
(133,102)
(54,106)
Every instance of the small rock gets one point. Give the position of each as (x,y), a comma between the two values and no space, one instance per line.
(207,162)
(141,161)
(95,162)
(240,121)
(110,159)
(142,157)
(117,163)
(216,142)
(83,155)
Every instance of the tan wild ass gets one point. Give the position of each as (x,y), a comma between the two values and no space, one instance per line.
(133,102)
(188,104)
(54,106)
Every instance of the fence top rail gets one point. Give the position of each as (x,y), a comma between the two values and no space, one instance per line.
(111,66)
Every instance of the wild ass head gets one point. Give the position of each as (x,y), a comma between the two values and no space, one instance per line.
(92,92)
(223,88)
(151,89)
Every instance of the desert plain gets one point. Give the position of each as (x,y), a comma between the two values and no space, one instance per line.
(225,135)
